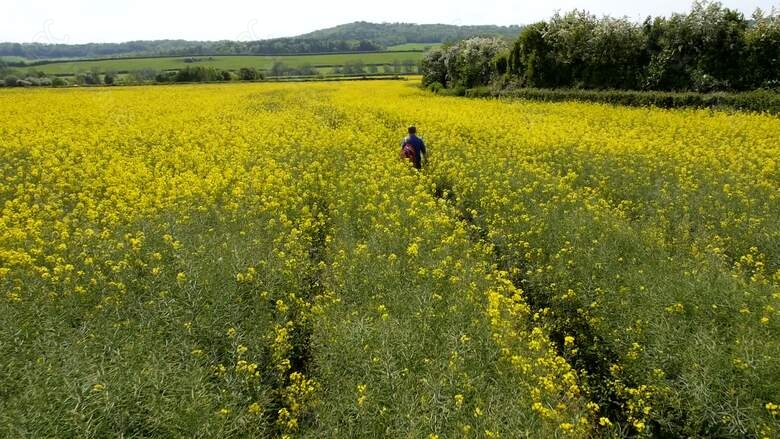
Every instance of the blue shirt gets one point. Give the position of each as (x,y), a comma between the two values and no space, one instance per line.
(419,147)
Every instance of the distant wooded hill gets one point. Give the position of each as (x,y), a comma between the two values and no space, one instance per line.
(390,34)
(353,37)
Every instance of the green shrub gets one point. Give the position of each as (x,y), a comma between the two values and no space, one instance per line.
(10,81)
(435,87)
(479,92)
(249,74)
(468,63)
(458,90)
(756,101)
(89,78)
(198,74)
(165,77)
(141,76)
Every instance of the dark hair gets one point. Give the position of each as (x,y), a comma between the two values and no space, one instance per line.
(412,129)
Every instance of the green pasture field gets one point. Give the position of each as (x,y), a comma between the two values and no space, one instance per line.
(263,62)
(10,59)
(414,46)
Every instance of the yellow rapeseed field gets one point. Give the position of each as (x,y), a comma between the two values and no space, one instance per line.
(255,260)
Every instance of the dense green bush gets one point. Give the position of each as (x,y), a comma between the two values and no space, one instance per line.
(249,74)
(579,49)
(10,81)
(435,87)
(353,67)
(711,48)
(166,76)
(457,90)
(143,75)
(710,57)
(468,63)
(33,79)
(281,69)
(198,74)
(89,78)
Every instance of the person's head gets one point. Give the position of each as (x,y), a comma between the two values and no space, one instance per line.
(412,129)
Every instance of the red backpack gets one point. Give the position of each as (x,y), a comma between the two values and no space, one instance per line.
(407,152)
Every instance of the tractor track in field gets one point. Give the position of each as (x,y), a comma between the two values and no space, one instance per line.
(594,357)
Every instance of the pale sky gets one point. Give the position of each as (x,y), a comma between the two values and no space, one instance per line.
(81,21)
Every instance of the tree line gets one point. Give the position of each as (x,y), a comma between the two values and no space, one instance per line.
(198,73)
(278,46)
(391,34)
(143,76)
(710,48)
(353,37)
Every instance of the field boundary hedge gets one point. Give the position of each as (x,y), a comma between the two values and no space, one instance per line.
(43,62)
(758,101)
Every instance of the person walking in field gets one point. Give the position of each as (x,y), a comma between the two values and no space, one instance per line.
(413,148)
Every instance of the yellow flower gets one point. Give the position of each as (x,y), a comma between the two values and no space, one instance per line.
(458,400)
(97,208)
(677,308)
(254,408)
(567,426)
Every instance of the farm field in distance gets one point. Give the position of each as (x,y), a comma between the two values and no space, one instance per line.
(263,62)
(232,260)
(414,46)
